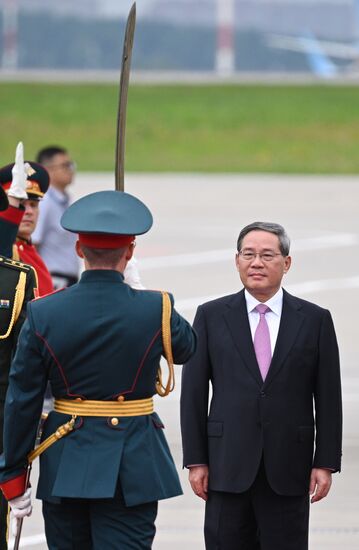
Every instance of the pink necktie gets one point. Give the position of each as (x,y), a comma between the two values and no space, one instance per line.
(261,342)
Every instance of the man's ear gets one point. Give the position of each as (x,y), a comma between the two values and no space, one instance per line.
(129,252)
(79,249)
(287,264)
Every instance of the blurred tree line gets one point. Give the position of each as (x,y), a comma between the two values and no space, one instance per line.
(45,41)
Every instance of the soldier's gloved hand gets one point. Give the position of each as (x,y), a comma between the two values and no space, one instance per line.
(14,523)
(132,275)
(19,175)
(21,506)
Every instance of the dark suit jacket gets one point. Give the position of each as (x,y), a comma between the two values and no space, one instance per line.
(97,340)
(299,403)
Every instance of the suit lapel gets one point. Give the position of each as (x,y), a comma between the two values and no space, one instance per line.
(236,318)
(290,323)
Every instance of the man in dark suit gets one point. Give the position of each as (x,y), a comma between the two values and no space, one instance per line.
(274,427)
(106,461)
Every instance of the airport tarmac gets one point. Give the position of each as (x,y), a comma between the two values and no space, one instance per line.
(190,251)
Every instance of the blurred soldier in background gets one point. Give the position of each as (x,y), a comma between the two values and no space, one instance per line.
(25,184)
(17,287)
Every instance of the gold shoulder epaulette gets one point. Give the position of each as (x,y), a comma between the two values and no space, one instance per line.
(14,264)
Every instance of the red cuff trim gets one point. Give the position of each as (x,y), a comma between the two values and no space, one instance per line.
(13,215)
(14,487)
(98,240)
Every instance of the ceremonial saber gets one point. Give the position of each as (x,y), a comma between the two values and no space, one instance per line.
(122,103)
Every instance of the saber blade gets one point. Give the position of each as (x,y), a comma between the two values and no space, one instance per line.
(19,526)
(122,104)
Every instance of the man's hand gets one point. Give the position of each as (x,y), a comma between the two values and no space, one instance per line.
(198,478)
(21,506)
(19,175)
(320,483)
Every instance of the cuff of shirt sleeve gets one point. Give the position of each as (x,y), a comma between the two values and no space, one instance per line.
(14,487)
(13,215)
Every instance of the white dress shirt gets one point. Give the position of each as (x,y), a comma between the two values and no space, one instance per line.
(272,317)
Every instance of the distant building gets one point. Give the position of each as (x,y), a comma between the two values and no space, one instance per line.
(83,8)
(333,19)
(178,34)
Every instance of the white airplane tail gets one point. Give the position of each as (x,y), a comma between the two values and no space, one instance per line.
(319,62)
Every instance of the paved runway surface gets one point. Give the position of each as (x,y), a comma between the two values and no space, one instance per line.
(190,251)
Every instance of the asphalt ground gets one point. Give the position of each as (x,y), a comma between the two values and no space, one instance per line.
(190,251)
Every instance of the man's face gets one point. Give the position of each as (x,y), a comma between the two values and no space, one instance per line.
(61,170)
(262,278)
(29,221)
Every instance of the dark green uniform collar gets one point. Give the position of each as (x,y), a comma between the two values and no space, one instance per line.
(105,275)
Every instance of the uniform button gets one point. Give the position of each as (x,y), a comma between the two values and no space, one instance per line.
(114,421)
(263,394)
(121,398)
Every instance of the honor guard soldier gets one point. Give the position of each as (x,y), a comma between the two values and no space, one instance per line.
(105,461)
(17,287)
(25,183)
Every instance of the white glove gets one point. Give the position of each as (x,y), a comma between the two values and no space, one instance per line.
(132,275)
(14,523)
(21,506)
(20,171)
